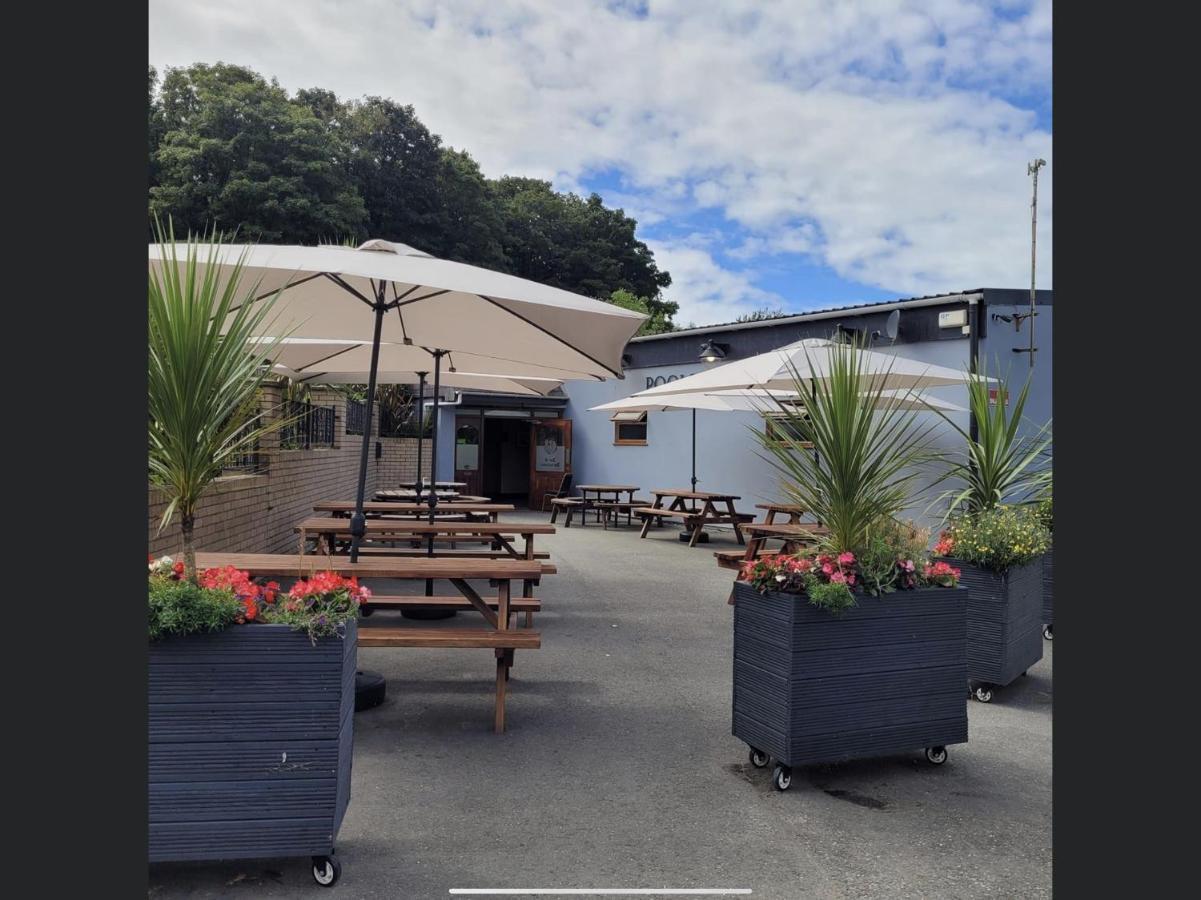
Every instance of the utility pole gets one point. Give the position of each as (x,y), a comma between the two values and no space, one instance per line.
(1031,169)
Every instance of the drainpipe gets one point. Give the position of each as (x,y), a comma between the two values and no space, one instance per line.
(975,307)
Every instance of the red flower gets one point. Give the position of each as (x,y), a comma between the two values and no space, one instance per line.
(177,568)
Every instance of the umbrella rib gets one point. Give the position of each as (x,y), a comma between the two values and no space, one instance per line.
(336,279)
(324,358)
(587,356)
(277,291)
(401,302)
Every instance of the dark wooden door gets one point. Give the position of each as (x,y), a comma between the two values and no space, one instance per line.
(550,457)
(469,449)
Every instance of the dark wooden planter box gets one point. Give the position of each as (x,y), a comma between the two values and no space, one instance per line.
(1004,620)
(886,676)
(251,730)
(1048,590)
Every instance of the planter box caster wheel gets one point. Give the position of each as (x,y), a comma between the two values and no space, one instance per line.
(983,693)
(326,870)
(1047,633)
(759,759)
(781,778)
(936,756)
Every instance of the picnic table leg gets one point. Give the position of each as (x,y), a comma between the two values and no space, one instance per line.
(527,586)
(646,525)
(737,525)
(502,673)
(698,526)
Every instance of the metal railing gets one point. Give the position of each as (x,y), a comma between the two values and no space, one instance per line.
(309,427)
(356,412)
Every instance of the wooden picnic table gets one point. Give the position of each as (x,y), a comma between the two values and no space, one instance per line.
(375,508)
(500,637)
(405,495)
(606,497)
(792,510)
(696,509)
(793,534)
(328,531)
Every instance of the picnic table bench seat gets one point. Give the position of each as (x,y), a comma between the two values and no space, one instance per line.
(502,642)
(527,605)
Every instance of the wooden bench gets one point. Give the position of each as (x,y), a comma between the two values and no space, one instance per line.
(502,642)
(571,504)
(611,509)
(527,605)
(693,520)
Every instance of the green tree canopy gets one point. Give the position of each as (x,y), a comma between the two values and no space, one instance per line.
(236,153)
(230,149)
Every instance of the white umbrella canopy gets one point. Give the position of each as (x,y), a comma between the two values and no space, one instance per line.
(773,370)
(306,355)
(458,380)
(760,401)
(766,401)
(637,403)
(331,292)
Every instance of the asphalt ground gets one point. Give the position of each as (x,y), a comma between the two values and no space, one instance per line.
(618,769)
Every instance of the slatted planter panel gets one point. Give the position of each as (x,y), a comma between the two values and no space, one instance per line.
(251,732)
(886,676)
(1004,620)
(1048,590)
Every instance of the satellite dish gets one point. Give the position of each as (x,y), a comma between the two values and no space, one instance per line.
(892,325)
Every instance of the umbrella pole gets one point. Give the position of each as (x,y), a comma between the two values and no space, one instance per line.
(433,494)
(694,451)
(685,534)
(420,422)
(358,522)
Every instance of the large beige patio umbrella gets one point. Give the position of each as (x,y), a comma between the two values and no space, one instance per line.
(810,359)
(394,294)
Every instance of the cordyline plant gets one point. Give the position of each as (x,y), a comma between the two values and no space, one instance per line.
(867,450)
(204,373)
(1000,465)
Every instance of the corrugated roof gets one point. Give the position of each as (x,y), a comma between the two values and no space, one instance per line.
(786,318)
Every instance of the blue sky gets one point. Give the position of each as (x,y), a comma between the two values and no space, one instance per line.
(780,155)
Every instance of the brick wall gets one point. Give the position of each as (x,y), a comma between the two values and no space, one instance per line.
(256,513)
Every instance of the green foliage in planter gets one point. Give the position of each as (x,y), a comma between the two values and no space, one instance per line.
(1000,465)
(853,454)
(996,539)
(206,362)
(1046,514)
(827,595)
(889,542)
(179,607)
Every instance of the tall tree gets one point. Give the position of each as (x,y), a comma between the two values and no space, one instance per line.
(573,243)
(660,311)
(237,153)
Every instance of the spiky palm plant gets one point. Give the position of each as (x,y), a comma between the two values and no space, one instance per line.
(204,373)
(867,450)
(1001,465)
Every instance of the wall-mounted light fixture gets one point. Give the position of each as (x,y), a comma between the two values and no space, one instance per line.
(712,352)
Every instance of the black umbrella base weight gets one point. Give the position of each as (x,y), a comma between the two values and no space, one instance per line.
(369,690)
(686,536)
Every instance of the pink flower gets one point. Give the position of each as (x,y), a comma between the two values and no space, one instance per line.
(838,578)
(827,569)
(846,558)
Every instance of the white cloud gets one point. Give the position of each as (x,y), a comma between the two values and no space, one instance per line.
(870,136)
(707,293)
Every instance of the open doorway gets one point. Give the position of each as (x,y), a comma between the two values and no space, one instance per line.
(506,469)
